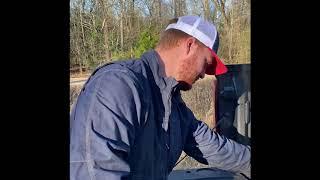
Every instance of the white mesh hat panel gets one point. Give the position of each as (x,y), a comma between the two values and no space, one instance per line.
(197,27)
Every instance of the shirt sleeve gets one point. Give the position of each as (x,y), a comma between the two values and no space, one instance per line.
(210,148)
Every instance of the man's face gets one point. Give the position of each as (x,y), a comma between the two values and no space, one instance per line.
(193,68)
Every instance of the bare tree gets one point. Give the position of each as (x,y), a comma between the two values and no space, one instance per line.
(104,28)
(159,13)
(121,22)
(82,30)
(206,9)
(220,5)
(179,7)
(109,29)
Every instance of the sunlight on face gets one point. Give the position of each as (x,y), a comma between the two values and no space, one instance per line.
(194,68)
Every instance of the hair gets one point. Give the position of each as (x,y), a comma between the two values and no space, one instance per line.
(170,38)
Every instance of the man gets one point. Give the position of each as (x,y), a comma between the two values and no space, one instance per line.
(130,122)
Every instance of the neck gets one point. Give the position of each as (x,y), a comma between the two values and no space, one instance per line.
(168,58)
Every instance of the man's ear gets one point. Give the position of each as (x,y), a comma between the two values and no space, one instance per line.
(190,45)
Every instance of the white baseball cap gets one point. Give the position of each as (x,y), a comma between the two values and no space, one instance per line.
(206,33)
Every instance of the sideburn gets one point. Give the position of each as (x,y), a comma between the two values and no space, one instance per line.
(186,76)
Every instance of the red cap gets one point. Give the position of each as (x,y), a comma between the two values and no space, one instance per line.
(217,67)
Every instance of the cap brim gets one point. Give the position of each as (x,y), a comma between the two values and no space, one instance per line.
(217,67)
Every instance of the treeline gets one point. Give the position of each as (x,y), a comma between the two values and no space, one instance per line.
(107,30)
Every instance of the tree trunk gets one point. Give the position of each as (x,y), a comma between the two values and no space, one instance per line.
(82,31)
(106,40)
(230,41)
(92,41)
(159,13)
(131,14)
(77,46)
(175,8)
(105,30)
(121,24)
(206,9)
(214,15)
(220,5)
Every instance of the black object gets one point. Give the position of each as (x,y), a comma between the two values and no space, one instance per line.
(233,99)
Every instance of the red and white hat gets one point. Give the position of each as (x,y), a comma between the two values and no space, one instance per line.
(206,33)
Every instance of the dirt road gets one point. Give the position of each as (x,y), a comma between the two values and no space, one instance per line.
(77,81)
